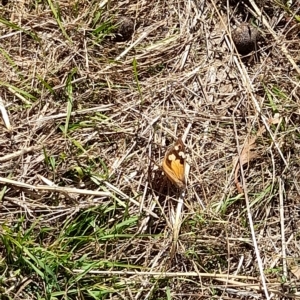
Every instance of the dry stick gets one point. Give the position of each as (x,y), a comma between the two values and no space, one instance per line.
(74,113)
(23,205)
(283,243)
(72,190)
(23,99)
(259,261)
(23,285)
(119,192)
(117,164)
(282,46)
(19,153)
(136,42)
(165,274)
(275,261)
(72,82)
(252,286)
(4,114)
(54,188)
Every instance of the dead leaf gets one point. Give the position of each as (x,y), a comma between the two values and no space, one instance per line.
(296,271)
(248,153)
(275,120)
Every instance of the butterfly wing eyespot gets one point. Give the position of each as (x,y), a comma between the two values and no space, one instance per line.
(171,157)
(174,164)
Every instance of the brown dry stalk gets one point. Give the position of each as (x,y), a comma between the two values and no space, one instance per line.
(248,153)
(19,153)
(167,274)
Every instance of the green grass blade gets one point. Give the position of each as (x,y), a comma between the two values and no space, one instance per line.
(16,27)
(69,88)
(58,20)
(11,62)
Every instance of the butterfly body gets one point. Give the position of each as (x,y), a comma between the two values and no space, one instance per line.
(174,164)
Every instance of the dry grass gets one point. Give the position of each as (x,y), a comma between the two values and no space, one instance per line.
(85,210)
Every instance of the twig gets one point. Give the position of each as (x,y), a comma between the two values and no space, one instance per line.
(105,107)
(19,153)
(23,99)
(4,114)
(54,188)
(165,274)
(119,192)
(283,243)
(22,286)
(259,261)
(136,42)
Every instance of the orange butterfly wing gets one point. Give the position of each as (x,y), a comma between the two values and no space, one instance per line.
(174,164)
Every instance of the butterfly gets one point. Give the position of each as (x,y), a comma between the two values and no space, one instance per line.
(174,164)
